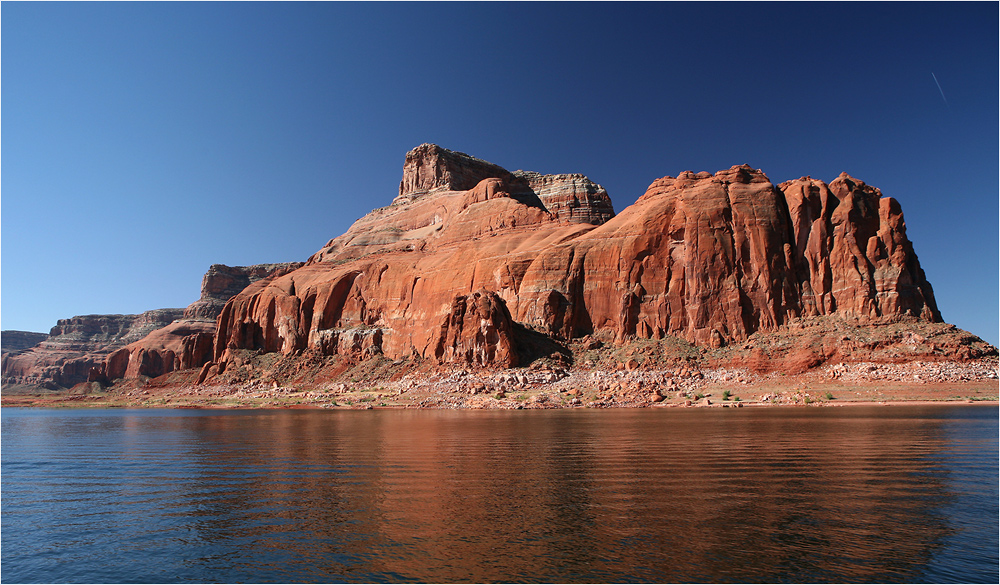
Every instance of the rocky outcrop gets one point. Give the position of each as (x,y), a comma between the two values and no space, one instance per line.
(77,345)
(574,198)
(402,268)
(11,340)
(182,345)
(87,330)
(478,331)
(222,283)
(109,347)
(429,167)
(714,258)
(188,342)
(473,264)
(710,258)
(852,254)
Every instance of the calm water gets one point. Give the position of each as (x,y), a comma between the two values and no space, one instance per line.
(890,494)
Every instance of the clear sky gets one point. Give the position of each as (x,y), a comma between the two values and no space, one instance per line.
(143,142)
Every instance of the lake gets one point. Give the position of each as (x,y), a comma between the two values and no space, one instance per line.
(854,494)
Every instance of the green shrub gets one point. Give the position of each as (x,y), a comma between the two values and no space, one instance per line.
(726,394)
(829,396)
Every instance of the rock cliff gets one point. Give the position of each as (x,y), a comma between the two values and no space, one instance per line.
(77,345)
(11,340)
(188,342)
(181,345)
(222,283)
(714,258)
(107,347)
(472,264)
(467,251)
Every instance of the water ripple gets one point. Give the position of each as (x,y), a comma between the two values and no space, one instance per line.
(779,495)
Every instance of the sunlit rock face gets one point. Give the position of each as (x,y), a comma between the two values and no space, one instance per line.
(474,264)
(109,347)
(222,283)
(468,252)
(77,345)
(188,342)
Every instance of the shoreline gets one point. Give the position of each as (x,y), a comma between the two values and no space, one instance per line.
(840,385)
(71,404)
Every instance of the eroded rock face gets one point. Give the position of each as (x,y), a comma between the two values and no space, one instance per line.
(429,167)
(478,331)
(189,342)
(108,347)
(574,198)
(711,258)
(222,283)
(77,345)
(852,252)
(472,264)
(714,258)
(182,345)
(11,340)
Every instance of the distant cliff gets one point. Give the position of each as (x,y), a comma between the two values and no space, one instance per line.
(76,345)
(222,283)
(107,347)
(11,340)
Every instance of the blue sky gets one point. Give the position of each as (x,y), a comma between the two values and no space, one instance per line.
(143,142)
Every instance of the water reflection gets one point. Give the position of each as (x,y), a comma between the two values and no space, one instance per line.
(771,495)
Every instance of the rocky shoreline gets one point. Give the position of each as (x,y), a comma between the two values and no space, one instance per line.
(551,386)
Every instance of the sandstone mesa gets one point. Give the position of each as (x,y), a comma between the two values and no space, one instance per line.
(472,265)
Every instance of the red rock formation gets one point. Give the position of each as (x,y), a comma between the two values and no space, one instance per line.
(181,345)
(187,343)
(852,252)
(222,283)
(477,331)
(429,167)
(108,347)
(75,346)
(571,197)
(709,258)
(402,268)
(474,264)
(713,258)
(702,257)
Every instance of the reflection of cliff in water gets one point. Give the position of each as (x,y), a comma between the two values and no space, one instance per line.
(765,495)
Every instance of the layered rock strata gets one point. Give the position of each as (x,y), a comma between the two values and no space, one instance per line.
(77,345)
(714,258)
(473,264)
(182,345)
(710,258)
(108,347)
(222,283)
(188,342)
(429,168)
(12,340)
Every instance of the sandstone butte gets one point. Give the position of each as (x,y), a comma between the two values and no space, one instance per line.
(472,265)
